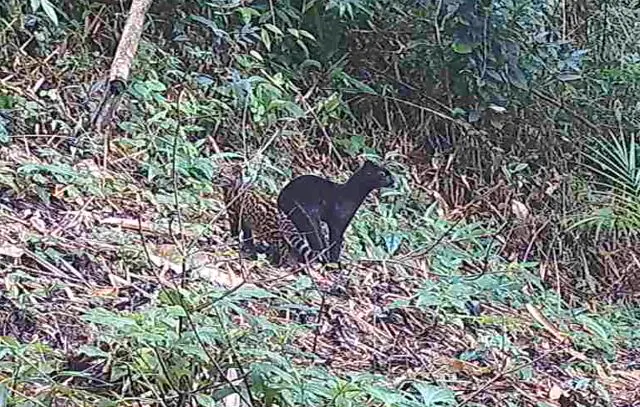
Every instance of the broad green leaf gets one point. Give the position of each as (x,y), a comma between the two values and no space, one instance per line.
(256,55)
(204,21)
(50,11)
(434,396)
(274,29)
(307,34)
(461,48)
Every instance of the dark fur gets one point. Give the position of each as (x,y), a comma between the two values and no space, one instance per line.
(309,200)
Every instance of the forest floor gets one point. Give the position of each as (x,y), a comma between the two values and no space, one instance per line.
(82,250)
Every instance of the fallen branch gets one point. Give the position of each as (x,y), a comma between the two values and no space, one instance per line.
(121,65)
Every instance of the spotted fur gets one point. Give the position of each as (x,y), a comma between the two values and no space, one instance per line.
(259,219)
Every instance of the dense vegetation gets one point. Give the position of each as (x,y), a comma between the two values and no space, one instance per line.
(502,269)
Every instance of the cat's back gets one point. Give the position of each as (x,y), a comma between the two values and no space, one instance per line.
(305,188)
(308,182)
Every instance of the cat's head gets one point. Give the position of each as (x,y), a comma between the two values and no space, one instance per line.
(375,176)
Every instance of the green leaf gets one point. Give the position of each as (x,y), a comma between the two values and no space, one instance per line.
(6,102)
(433,396)
(392,242)
(35,5)
(101,316)
(50,11)
(310,63)
(4,133)
(568,77)
(156,85)
(93,351)
(256,55)
(204,21)
(304,48)
(273,29)
(385,396)
(458,112)
(266,39)
(363,87)
(520,167)
(246,13)
(205,401)
(307,34)
(460,48)
(308,5)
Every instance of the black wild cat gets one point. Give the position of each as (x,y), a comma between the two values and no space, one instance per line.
(308,200)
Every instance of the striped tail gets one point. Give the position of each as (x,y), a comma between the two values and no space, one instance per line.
(296,240)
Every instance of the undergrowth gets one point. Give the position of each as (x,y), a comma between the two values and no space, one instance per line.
(499,270)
